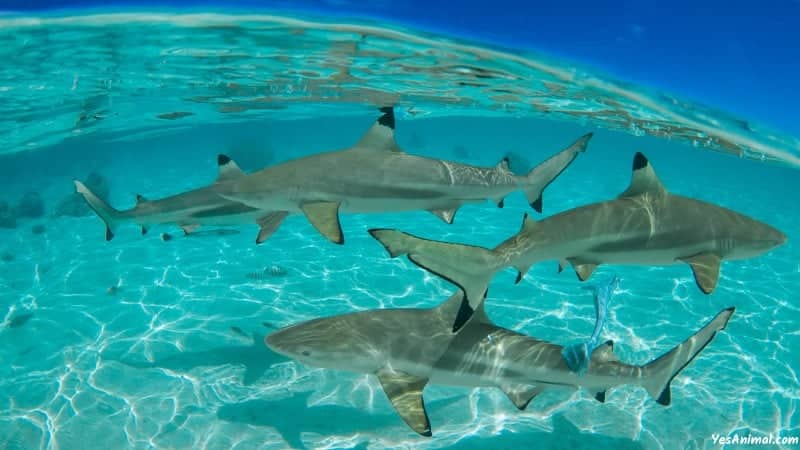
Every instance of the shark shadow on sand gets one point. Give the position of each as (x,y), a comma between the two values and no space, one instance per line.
(255,358)
(291,416)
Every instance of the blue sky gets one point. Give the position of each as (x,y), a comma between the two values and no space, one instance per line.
(740,56)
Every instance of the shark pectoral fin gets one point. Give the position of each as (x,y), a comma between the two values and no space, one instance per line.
(269,223)
(521,394)
(380,136)
(324,216)
(705,267)
(447,215)
(583,270)
(643,179)
(228,169)
(405,393)
(190,228)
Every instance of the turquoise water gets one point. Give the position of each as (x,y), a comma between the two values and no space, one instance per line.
(139,343)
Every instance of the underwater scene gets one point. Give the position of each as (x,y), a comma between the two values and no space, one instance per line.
(270,231)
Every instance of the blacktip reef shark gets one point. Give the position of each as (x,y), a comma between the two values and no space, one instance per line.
(578,356)
(189,210)
(645,225)
(409,348)
(376,175)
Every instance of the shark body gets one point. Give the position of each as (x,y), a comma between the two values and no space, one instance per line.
(410,348)
(375,175)
(645,225)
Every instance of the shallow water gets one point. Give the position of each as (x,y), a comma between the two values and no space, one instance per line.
(131,342)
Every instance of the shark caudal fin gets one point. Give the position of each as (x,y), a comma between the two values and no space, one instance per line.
(659,373)
(545,173)
(468,267)
(111,217)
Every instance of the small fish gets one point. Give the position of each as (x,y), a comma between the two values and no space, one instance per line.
(113,290)
(273,271)
(174,115)
(20,320)
(239,331)
(38,229)
(578,355)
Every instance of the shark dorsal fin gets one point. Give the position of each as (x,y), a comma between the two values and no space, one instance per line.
(228,169)
(528,223)
(479,315)
(604,353)
(405,393)
(643,179)
(140,199)
(380,136)
(503,165)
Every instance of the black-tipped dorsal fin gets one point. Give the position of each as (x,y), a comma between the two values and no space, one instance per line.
(503,165)
(604,353)
(405,393)
(140,199)
(228,169)
(479,316)
(528,223)
(380,135)
(521,395)
(643,179)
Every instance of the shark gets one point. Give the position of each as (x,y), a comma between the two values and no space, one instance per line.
(645,225)
(407,349)
(376,175)
(189,210)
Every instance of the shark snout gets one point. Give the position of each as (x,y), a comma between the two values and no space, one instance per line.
(273,341)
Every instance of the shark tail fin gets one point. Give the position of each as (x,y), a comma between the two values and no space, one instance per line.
(537,180)
(111,217)
(659,373)
(468,267)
